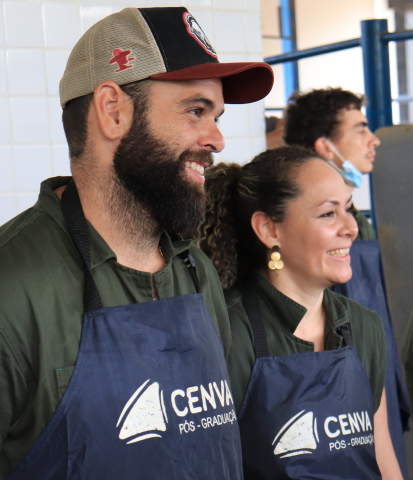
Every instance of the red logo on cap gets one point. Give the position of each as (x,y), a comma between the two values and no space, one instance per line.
(121,58)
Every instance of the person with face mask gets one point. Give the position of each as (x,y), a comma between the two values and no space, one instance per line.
(330,122)
(352,176)
(111,361)
(307,366)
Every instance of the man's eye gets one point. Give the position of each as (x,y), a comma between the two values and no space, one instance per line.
(197,111)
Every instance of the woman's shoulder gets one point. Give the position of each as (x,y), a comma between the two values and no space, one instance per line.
(356,311)
(369,340)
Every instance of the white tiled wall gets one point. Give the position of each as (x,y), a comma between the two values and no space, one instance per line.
(35,41)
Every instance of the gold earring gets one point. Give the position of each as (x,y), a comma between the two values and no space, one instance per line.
(275,263)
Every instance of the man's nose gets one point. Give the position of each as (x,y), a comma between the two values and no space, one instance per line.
(375,141)
(212,138)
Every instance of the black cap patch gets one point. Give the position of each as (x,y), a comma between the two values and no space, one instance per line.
(195,30)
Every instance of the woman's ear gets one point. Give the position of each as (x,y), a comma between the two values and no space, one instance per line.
(265,229)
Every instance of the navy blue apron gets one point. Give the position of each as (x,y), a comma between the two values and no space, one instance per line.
(366,287)
(149,397)
(308,415)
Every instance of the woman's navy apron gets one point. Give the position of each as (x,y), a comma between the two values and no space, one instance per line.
(149,397)
(307,415)
(366,287)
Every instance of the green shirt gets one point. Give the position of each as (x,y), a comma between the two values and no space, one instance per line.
(281,316)
(407,357)
(366,231)
(41,310)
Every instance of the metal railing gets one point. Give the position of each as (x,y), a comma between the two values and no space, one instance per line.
(374,42)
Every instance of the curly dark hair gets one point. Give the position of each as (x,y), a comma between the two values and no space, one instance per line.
(312,115)
(234,193)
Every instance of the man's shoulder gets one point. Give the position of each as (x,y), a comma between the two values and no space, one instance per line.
(233,298)
(11,229)
(37,221)
(29,243)
(25,227)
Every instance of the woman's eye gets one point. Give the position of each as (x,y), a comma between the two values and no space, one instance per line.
(328,214)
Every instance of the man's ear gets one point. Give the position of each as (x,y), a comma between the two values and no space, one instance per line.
(114,110)
(322,147)
(265,229)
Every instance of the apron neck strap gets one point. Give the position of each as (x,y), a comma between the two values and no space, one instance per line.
(77,225)
(345,332)
(189,261)
(252,306)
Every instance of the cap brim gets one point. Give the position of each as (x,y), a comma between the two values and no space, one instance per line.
(244,82)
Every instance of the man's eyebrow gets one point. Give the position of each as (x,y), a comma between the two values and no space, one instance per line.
(361,124)
(206,102)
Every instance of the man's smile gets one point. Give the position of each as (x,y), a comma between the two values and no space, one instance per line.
(196,170)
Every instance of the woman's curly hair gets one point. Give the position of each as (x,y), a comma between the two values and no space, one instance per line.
(234,193)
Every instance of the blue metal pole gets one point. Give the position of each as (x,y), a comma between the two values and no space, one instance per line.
(313,52)
(289,43)
(376,81)
(376,73)
(397,36)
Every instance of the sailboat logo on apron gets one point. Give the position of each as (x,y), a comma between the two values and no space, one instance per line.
(298,436)
(145,413)
(148,413)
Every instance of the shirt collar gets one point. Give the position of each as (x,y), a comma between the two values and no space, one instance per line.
(291,313)
(48,202)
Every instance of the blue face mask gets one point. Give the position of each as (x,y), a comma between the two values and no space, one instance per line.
(348,171)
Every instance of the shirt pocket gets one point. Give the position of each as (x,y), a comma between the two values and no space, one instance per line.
(63,376)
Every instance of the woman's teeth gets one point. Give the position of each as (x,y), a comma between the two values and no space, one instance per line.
(195,166)
(339,253)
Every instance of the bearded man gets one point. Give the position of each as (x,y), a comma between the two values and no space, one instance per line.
(97,380)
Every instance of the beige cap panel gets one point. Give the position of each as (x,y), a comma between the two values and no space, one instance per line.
(89,63)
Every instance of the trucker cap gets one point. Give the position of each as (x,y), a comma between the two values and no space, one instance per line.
(158,43)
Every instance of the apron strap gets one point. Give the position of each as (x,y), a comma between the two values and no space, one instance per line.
(189,261)
(252,306)
(76,223)
(345,332)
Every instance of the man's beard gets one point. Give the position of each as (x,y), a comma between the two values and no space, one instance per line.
(152,184)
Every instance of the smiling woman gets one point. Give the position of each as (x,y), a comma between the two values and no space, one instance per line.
(279,231)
